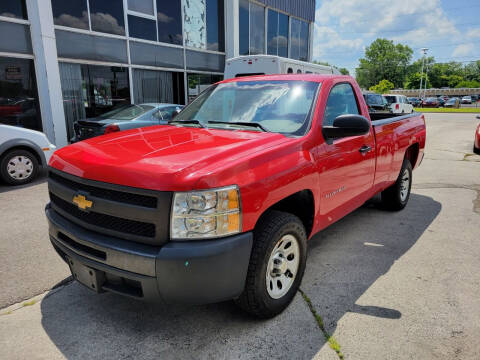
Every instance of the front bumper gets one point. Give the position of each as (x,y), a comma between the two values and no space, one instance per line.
(193,272)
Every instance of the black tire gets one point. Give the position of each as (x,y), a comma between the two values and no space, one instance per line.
(25,155)
(392,198)
(255,298)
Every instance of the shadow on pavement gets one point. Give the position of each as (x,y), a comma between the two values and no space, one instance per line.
(341,267)
(41,178)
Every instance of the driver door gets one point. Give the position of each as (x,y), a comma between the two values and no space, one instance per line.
(347,165)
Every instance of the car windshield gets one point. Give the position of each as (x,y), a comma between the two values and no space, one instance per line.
(127,112)
(274,106)
(391,99)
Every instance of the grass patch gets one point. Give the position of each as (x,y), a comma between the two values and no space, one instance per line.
(448,110)
(30,303)
(334,345)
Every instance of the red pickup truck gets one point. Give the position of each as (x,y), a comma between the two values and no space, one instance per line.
(220,203)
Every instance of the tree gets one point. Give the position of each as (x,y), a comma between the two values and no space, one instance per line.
(413,81)
(468,84)
(344,71)
(382,87)
(384,60)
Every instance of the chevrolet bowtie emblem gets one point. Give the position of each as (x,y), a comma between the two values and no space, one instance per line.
(82,202)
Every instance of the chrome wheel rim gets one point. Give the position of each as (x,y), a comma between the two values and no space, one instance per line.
(404,185)
(20,167)
(282,266)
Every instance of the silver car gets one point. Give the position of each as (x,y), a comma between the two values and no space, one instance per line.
(124,118)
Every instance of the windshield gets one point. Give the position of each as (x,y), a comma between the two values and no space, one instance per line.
(127,112)
(391,99)
(278,106)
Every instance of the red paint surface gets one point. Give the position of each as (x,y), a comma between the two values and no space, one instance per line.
(267,167)
(477,137)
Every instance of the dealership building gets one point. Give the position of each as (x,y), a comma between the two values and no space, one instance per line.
(62,61)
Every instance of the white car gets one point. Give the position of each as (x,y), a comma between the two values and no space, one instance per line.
(399,104)
(22,153)
(466,100)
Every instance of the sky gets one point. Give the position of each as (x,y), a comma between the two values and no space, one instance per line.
(344,28)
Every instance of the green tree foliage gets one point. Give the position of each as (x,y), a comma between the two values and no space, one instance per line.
(413,81)
(382,87)
(468,84)
(384,60)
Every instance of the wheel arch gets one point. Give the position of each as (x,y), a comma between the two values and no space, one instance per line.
(23,144)
(411,154)
(300,204)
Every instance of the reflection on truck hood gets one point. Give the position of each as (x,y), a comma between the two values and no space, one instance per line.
(161,157)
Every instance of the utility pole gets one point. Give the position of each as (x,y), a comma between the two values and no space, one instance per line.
(426,79)
(424,50)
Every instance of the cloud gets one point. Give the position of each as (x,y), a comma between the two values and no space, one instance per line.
(164,18)
(72,21)
(473,33)
(106,23)
(463,50)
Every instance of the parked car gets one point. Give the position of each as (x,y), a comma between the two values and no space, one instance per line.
(376,103)
(474,98)
(126,117)
(399,104)
(220,203)
(431,102)
(452,102)
(466,100)
(22,153)
(414,101)
(441,102)
(476,144)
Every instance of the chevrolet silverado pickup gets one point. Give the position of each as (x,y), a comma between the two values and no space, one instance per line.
(220,203)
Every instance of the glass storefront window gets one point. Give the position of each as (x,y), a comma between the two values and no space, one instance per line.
(215,25)
(151,86)
(18,94)
(107,16)
(139,27)
(251,28)
(89,91)
(244,27)
(199,82)
(13,8)
(141,6)
(72,13)
(169,19)
(299,39)
(277,35)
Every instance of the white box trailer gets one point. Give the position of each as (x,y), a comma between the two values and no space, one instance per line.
(271,64)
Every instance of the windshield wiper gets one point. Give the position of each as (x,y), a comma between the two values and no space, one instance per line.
(241,123)
(192,121)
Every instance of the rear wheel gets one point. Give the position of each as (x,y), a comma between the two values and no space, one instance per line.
(18,167)
(277,264)
(396,196)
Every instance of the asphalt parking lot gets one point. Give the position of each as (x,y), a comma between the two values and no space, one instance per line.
(385,285)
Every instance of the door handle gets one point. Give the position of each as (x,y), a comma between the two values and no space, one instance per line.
(365,149)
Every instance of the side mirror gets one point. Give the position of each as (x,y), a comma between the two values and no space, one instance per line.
(347,125)
(175,113)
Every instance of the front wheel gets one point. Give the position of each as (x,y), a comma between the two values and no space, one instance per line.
(277,264)
(396,196)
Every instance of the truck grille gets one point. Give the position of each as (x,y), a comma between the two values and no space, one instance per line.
(108,194)
(117,211)
(105,221)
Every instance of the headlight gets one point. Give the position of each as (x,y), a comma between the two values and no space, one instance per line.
(206,213)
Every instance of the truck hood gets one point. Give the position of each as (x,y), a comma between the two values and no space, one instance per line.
(161,157)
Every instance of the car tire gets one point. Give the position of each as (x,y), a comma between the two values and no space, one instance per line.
(277,264)
(18,167)
(396,197)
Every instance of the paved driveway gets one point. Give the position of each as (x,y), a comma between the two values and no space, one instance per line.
(385,285)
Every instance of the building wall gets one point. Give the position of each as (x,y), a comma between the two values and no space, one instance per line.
(88,56)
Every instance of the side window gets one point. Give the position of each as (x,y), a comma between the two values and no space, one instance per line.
(299,71)
(341,100)
(157,115)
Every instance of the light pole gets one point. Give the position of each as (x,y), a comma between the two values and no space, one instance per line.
(424,50)
(425,85)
